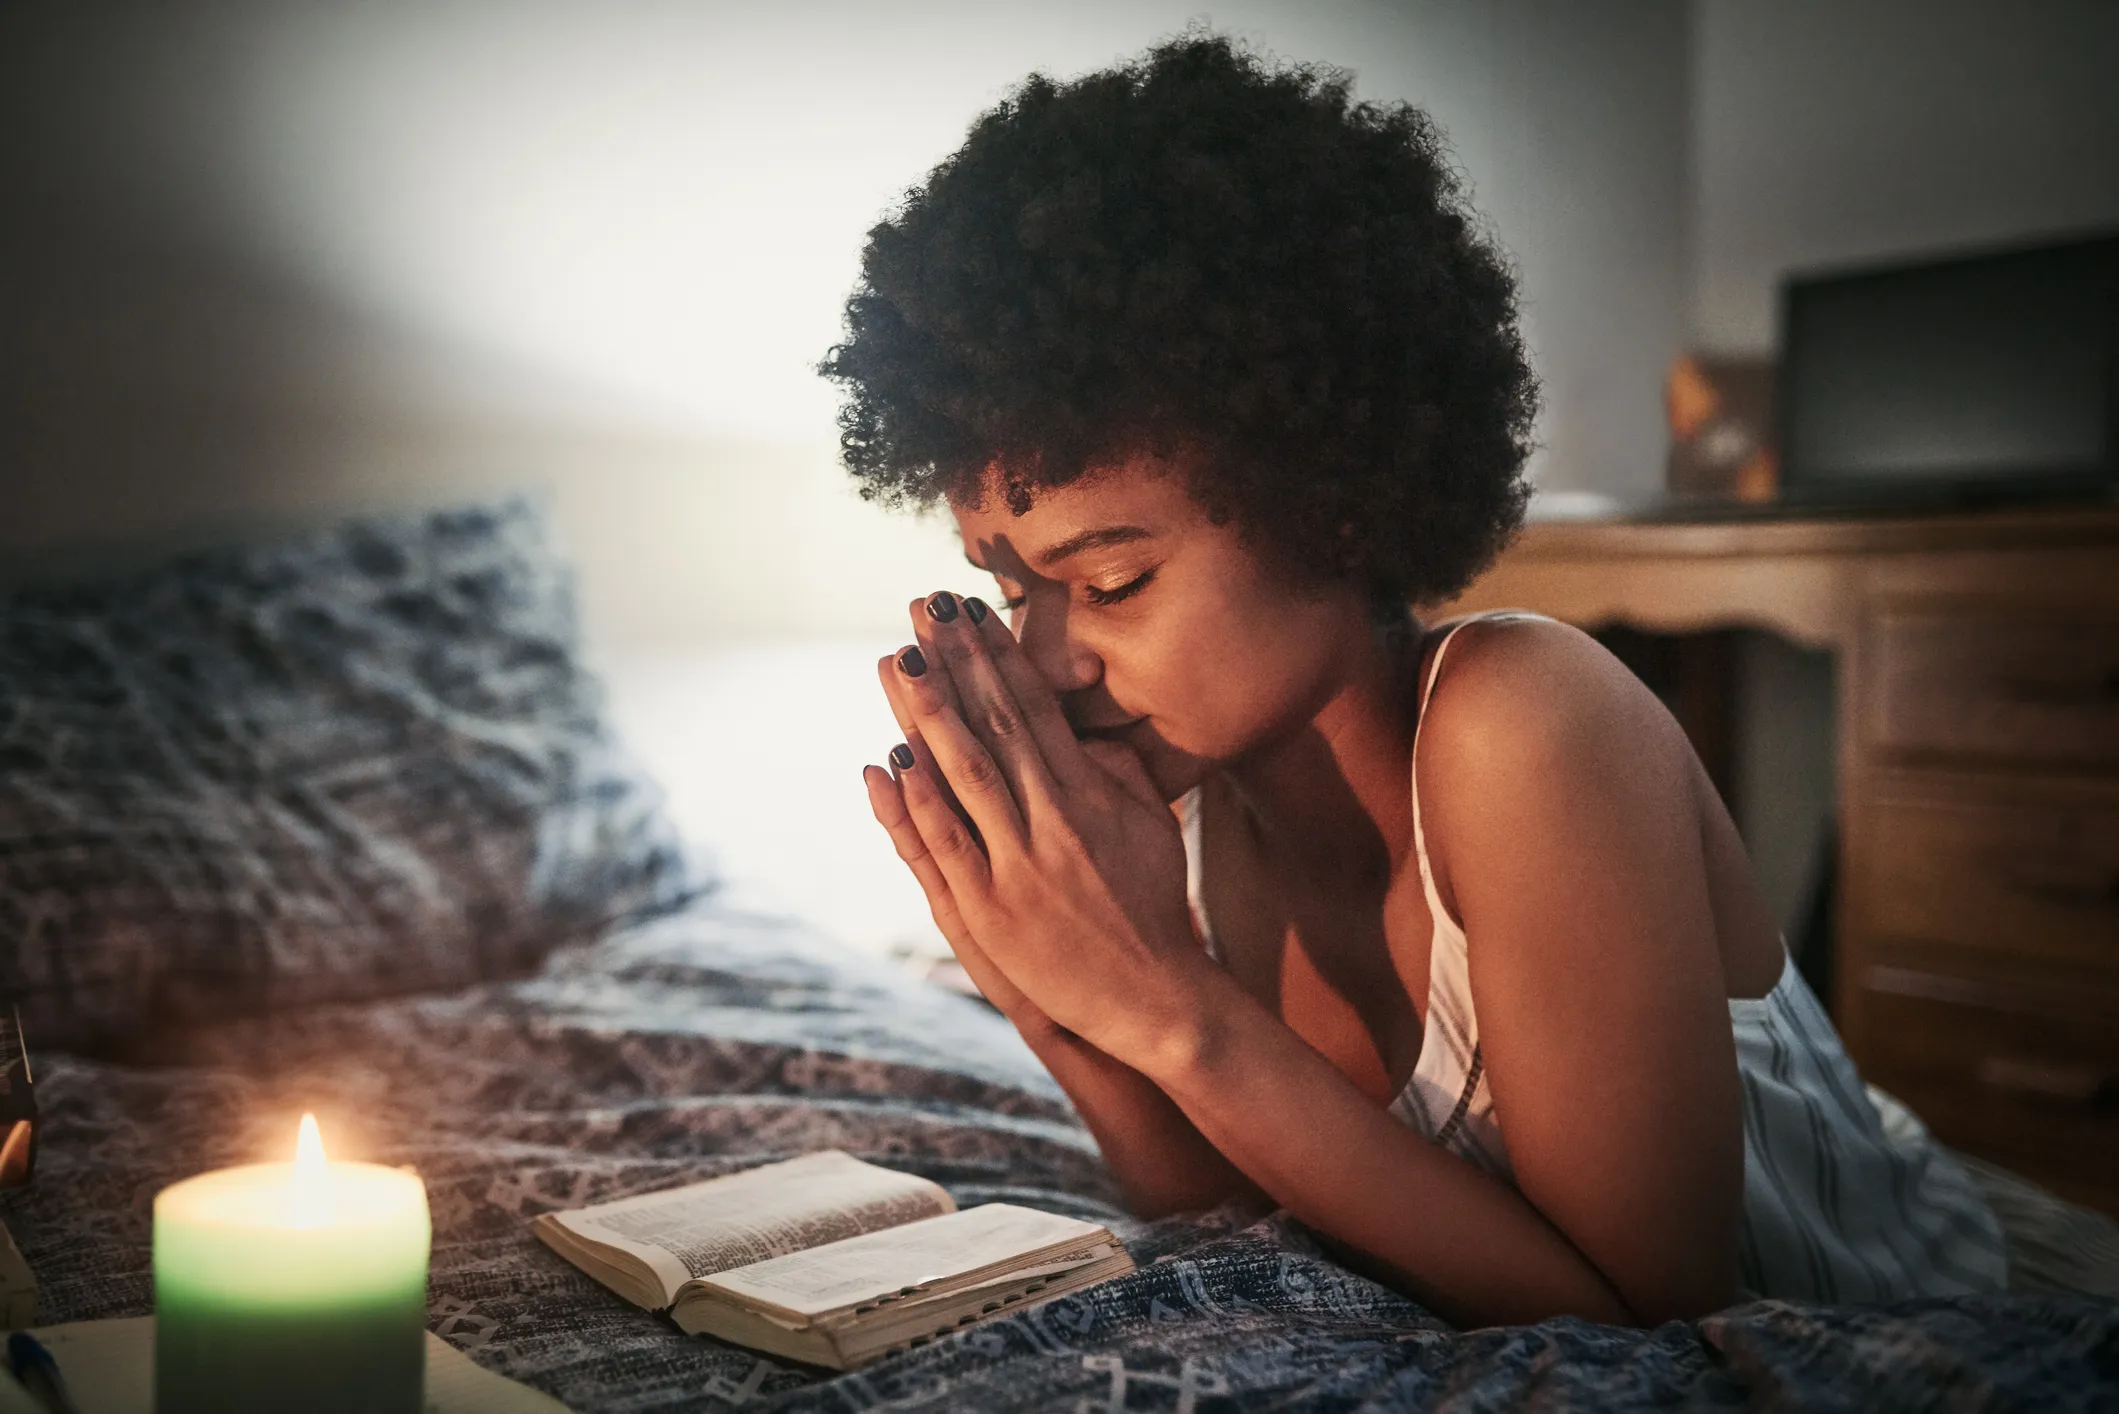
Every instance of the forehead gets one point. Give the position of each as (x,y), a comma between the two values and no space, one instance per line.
(1147,497)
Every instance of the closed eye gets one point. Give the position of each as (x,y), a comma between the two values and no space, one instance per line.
(1124,591)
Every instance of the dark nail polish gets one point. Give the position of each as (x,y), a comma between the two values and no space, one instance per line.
(911,661)
(901,756)
(977,609)
(941,607)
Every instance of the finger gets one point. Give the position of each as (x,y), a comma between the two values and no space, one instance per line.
(909,730)
(981,786)
(964,866)
(924,626)
(886,799)
(1123,765)
(888,802)
(1034,696)
(987,704)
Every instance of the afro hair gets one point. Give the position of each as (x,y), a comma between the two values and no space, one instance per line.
(1202,254)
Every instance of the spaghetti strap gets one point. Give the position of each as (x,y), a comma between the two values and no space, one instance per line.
(1447,1097)
(1427,691)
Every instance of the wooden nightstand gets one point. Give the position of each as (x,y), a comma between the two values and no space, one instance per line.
(1978,715)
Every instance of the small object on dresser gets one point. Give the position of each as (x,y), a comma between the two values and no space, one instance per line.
(1721,429)
(829,1260)
(291,1286)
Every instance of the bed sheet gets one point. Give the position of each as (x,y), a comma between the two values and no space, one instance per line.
(715,1039)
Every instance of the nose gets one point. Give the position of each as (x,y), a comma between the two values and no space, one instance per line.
(1063,660)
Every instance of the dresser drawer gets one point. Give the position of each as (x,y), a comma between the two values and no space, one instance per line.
(2025,1075)
(2023,869)
(2008,682)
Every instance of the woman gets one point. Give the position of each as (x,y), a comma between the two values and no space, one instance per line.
(1437,936)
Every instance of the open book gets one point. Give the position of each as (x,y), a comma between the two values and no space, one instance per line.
(827,1259)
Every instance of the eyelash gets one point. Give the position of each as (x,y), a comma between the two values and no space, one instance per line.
(1131,587)
(1101,598)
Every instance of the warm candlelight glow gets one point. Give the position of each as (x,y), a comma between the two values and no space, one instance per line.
(310,1205)
(292,1286)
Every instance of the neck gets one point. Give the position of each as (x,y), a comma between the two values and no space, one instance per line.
(1335,795)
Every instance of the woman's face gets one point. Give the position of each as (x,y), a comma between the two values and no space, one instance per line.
(1157,627)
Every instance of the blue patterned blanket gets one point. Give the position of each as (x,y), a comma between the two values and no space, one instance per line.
(710,1041)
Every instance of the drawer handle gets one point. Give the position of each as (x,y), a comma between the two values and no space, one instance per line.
(2078,1085)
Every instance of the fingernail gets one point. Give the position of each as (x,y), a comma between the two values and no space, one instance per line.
(901,756)
(911,661)
(941,607)
(977,609)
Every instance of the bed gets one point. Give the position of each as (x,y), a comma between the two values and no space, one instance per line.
(404,877)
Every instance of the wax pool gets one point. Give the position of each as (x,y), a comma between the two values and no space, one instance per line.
(298,1287)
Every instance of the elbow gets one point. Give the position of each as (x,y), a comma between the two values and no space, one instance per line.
(1149,1206)
(1688,1307)
(1715,1292)
(1200,1195)
(1685,1295)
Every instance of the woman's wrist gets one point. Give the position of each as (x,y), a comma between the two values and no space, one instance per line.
(1037,1029)
(1181,1032)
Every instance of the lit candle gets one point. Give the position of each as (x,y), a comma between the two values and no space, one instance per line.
(298,1287)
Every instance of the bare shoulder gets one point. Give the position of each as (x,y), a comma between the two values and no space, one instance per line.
(1511,688)
(1534,718)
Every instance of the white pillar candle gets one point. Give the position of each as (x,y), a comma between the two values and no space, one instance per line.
(297,1287)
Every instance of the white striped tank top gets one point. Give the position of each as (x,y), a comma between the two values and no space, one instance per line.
(1846,1197)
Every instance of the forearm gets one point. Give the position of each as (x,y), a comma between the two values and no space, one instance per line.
(1471,1248)
(1162,1162)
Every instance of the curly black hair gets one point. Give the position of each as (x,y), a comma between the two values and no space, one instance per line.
(1201,252)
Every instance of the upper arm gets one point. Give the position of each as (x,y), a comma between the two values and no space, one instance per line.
(1560,805)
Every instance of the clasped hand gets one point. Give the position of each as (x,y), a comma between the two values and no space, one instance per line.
(1052,865)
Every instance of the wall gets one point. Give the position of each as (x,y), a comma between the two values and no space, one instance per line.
(265,262)
(1829,131)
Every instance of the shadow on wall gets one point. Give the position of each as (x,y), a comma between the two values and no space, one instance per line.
(156,394)
(151,383)
(268,260)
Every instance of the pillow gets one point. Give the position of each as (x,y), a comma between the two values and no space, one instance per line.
(356,763)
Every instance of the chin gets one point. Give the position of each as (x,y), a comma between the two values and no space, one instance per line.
(1172,769)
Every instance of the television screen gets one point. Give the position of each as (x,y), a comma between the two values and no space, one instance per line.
(1977,378)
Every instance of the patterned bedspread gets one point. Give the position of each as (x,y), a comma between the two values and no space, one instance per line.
(710,1041)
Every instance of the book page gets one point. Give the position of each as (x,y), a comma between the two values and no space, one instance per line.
(887,1263)
(758,1214)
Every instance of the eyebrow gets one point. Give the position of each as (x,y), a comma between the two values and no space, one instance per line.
(1092,540)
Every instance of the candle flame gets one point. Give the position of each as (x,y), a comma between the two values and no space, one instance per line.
(311,1183)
